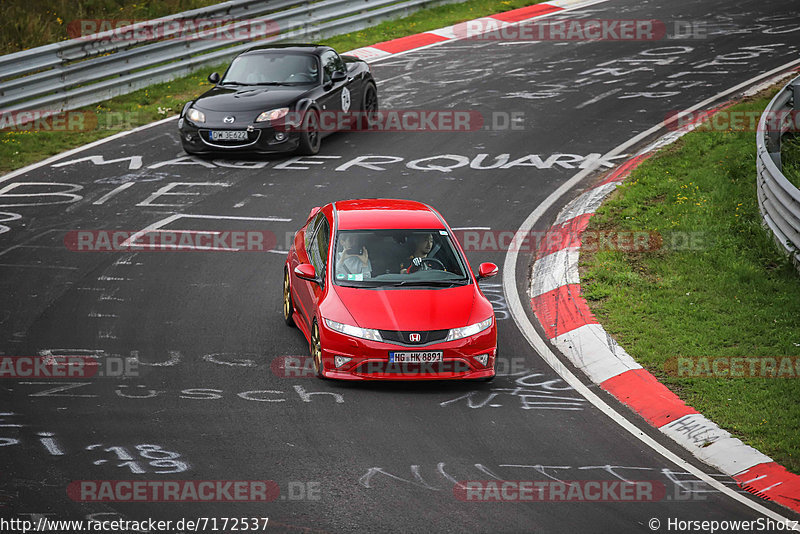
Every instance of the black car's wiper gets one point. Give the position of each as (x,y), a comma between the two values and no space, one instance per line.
(236,83)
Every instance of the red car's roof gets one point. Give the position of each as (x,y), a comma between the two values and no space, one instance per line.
(384,214)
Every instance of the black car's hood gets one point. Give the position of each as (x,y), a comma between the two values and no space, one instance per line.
(249,98)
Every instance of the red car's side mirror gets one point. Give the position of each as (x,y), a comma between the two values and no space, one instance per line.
(487,270)
(305,271)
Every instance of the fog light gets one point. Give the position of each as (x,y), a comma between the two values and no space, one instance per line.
(280,136)
(189,137)
(483,359)
(339,361)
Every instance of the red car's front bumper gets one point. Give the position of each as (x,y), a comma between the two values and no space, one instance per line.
(370,359)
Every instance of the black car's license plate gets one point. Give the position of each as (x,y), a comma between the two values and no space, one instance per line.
(228,135)
(415,357)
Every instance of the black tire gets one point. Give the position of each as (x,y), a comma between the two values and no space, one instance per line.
(288,304)
(310,136)
(316,350)
(369,105)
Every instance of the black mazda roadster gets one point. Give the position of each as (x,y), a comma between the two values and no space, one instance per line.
(279,98)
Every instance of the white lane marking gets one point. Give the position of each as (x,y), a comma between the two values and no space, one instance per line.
(203,232)
(598,98)
(156,227)
(540,346)
(34,266)
(234,217)
(48,161)
(120,189)
(186,247)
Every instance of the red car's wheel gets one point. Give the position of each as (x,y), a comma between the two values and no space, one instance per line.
(316,350)
(288,305)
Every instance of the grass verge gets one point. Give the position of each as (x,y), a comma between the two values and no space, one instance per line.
(731,295)
(23,147)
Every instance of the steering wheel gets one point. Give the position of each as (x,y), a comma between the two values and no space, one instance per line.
(308,77)
(426,264)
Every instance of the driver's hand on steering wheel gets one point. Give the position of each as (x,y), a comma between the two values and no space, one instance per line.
(416,265)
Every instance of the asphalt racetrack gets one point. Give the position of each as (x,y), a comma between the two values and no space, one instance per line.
(209,399)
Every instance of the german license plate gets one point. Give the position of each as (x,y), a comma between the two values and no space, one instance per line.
(415,357)
(229,135)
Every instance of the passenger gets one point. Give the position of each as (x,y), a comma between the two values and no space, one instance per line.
(353,257)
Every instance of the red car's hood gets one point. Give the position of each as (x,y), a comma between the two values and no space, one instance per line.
(408,309)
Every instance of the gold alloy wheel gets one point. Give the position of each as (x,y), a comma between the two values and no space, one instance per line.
(316,350)
(287,298)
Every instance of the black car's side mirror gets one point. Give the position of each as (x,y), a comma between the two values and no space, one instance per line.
(214,78)
(338,76)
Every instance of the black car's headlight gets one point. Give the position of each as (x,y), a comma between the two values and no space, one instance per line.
(195,115)
(272,115)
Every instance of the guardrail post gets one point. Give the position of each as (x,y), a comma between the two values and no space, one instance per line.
(779,199)
(796,94)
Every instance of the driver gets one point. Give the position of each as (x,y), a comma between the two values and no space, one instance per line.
(313,68)
(423,243)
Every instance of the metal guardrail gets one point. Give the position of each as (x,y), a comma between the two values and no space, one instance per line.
(90,69)
(778,199)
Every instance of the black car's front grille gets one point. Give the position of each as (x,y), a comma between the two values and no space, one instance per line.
(404,337)
(252,137)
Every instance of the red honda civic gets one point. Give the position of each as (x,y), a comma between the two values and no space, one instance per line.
(381,290)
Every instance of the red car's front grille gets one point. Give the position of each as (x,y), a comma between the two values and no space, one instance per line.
(408,337)
(412,369)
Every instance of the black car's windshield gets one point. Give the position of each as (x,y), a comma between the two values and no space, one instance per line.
(397,258)
(272,69)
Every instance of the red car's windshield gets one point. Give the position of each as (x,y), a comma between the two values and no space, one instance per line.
(370,258)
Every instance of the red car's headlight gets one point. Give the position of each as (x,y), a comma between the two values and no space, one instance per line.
(355,331)
(466,331)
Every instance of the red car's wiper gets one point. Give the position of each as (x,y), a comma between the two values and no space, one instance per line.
(456,282)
